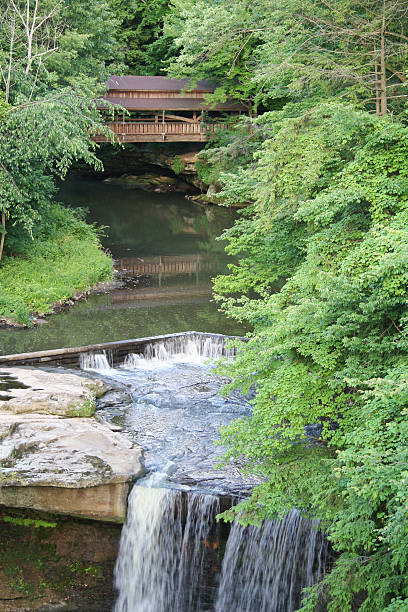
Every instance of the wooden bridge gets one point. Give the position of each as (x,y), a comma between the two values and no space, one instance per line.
(159,109)
(168,131)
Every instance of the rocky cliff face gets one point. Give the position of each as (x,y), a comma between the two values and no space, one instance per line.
(54,563)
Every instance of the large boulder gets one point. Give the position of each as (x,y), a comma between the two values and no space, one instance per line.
(53,461)
(31,390)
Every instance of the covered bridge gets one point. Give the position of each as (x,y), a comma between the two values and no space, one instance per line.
(158,109)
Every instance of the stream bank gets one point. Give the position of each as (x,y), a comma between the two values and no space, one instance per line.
(165,251)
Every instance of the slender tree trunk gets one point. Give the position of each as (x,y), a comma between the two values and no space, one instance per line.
(11,56)
(377,87)
(3,234)
(383,73)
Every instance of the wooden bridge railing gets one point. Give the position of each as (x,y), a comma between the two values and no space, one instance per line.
(135,130)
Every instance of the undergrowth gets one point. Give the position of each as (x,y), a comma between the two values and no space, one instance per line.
(63,257)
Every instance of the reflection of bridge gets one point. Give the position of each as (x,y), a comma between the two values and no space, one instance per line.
(179,294)
(164,266)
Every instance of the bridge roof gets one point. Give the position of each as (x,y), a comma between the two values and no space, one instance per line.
(169,104)
(156,83)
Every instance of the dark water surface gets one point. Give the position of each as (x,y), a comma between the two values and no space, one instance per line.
(166,252)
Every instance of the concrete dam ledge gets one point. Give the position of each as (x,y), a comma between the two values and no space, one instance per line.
(70,357)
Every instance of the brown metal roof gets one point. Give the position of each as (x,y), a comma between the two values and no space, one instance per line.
(156,83)
(169,104)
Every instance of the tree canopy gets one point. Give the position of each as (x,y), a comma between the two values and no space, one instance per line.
(322,269)
(141,36)
(52,58)
(313,49)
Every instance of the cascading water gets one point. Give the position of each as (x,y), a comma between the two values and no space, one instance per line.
(265,569)
(171,559)
(182,349)
(165,549)
(95,361)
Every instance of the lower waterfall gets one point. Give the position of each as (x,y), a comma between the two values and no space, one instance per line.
(165,547)
(169,558)
(265,569)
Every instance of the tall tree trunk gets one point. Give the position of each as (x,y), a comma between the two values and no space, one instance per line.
(383,72)
(377,87)
(11,57)
(3,234)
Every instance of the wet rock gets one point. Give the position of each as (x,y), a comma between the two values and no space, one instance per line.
(152,182)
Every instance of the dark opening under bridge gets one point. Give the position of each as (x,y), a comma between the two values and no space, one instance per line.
(159,109)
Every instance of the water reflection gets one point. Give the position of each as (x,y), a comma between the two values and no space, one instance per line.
(144,223)
(166,252)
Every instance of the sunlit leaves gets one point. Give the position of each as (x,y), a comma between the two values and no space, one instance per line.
(329,354)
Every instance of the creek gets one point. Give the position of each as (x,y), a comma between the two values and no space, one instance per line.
(174,556)
(142,229)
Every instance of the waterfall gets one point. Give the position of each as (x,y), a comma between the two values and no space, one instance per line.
(165,548)
(94,361)
(189,349)
(264,569)
(168,559)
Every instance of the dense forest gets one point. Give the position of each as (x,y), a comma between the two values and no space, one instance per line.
(321,274)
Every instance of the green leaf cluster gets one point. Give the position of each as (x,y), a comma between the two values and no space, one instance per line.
(323,279)
(140,37)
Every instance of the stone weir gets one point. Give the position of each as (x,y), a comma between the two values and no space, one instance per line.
(115,352)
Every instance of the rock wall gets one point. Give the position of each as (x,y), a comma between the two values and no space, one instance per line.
(51,563)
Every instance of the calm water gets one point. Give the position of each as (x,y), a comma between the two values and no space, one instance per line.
(166,252)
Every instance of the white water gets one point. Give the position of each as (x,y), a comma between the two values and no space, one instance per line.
(183,349)
(163,550)
(169,547)
(169,558)
(264,569)
(95,361)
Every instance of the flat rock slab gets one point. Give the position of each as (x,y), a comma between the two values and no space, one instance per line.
(31,390)
(75,466)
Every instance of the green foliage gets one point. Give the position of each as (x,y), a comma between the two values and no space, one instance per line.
(269,53)
(206,172)
(141,36)
(212,41)
(73,43)
(178,164)
(323,278)
(64,258)
(51,54)
(27,522)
